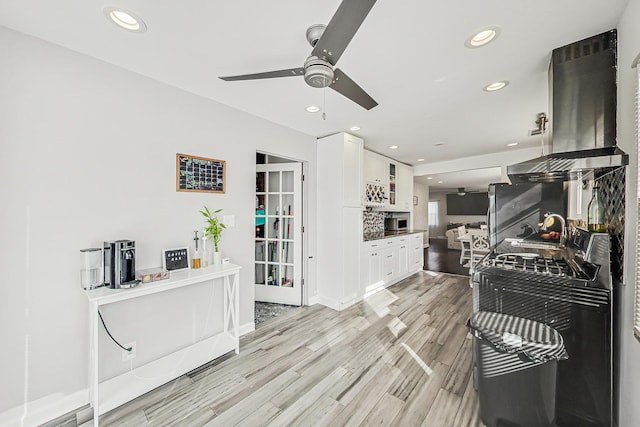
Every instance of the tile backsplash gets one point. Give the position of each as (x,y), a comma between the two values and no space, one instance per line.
(372,221)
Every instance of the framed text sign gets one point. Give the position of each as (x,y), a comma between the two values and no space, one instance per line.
(175,259)
(195,173)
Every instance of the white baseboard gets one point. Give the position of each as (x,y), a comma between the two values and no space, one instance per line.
(329,302)
(56,405)
(314,300)
(44,410)
(247,328)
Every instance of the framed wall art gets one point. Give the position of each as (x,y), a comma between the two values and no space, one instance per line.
(200,174)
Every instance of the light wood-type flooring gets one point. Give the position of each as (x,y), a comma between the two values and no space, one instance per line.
(402,357)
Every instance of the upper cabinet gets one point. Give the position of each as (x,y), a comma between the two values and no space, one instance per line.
(340,165)
(404,187)
(395,179)
(375,168)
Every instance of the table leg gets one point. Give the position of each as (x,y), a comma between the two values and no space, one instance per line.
(93,361)
(236,303)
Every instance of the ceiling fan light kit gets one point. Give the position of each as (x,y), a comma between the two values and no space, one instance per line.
(318,73)
(328,42)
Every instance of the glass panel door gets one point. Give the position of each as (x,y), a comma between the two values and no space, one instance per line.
(278,236)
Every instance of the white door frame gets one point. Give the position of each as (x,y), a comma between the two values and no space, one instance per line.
(305,218)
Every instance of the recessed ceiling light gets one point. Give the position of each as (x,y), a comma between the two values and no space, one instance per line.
(125,19)
(429,177)
(513,144)
(355,128)
(482,37)
(440,182)
(312,109)
(496,86)
(393,147)
(421,160)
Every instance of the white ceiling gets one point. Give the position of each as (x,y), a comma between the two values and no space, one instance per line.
(409,55)
(470,180)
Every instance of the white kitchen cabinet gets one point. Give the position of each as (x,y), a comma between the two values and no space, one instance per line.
(387,261)
(416,252)
(375,168)
(371,270)
(396,177)
(404,187)
(400,187)
(351,171)
(403,256)
(339,232)
(389,264)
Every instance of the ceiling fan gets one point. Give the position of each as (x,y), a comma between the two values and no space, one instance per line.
(329,42)
(463,192)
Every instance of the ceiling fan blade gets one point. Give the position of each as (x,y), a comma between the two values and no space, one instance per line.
(343,26)
(347,87)
(268,75)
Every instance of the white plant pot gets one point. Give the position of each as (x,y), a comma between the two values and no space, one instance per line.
(217,258)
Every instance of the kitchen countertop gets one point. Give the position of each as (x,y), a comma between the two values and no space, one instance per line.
(508,246)
(386,234)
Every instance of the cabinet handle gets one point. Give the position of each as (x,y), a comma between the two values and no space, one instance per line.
(389,256)
(389,243)
(403,247)
(390,273)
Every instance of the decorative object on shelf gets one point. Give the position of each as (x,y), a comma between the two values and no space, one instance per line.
(196,256)
(374,194)
(213,231)
(175,259)
(152,275)
(200,174)
(91,268)
(415,200)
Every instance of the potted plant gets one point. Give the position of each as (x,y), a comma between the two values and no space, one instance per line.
(213,230)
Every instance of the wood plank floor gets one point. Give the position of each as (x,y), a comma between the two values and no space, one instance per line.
(402,357)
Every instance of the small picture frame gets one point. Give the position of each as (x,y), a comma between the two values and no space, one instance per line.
(415,200)
(175,259)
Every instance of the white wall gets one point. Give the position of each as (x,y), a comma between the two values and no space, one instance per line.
(444,219)
(421,210)
(87,154)
(628,49)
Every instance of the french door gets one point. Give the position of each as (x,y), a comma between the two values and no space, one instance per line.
(278,257)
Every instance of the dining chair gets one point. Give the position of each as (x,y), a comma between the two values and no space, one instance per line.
(479,247)
(463,238)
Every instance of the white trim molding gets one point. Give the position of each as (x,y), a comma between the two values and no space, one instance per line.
(45,409)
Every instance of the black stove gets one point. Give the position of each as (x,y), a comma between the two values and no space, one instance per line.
(570,290)
(533,263)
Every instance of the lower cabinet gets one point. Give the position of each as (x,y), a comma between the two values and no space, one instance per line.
(387,261)
(389,264)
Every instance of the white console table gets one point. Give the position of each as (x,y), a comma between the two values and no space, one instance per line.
(113,392)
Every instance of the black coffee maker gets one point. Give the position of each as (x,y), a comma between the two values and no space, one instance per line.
(120,264)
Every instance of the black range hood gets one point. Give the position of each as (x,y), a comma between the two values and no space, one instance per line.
(582,82)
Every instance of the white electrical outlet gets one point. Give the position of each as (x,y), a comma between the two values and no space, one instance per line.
(128,355)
